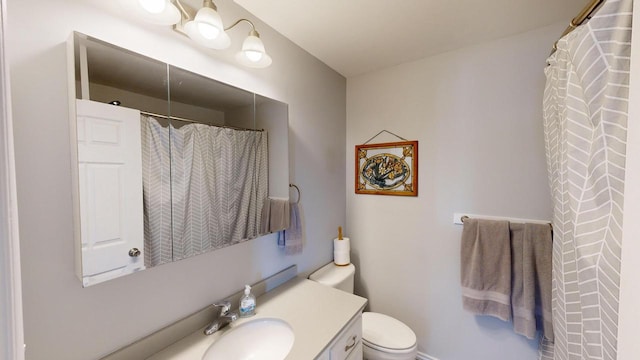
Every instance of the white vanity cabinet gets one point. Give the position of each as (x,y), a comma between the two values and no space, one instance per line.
(348,344)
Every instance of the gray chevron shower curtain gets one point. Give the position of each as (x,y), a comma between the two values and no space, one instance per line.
(585,124)
(204,187)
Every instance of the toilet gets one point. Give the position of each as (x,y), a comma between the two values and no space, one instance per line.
(383,337)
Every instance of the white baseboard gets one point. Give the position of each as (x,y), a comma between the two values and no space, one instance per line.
(423,356)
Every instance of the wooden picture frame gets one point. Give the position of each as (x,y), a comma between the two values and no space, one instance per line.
(387,168)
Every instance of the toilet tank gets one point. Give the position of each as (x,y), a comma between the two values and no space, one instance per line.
(337,276)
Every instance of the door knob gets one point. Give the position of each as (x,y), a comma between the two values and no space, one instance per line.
(134,252)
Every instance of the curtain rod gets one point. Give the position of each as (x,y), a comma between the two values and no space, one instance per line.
(168,117)
(584,14)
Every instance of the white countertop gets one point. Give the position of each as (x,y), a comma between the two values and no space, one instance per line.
(316,313)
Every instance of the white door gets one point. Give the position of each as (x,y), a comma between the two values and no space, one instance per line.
(110,191)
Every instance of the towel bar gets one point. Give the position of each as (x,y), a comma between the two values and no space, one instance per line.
(458,219)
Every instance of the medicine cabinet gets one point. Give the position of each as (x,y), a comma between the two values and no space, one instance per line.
(168,163)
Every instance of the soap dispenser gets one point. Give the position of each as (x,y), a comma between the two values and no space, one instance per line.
(247,303)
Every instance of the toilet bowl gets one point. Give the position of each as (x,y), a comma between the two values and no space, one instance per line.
(383,337)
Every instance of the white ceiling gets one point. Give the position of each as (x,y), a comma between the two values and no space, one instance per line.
(358,36)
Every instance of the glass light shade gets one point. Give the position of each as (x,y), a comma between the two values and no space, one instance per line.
(207,30)
(253,53)
(153,6)
(253,56)
(159,12)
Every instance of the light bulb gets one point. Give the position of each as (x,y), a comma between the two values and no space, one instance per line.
(160,12)
(254,56)
(253,53)
(153,6)
(208,31)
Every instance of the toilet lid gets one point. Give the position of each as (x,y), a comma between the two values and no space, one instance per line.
(384,331)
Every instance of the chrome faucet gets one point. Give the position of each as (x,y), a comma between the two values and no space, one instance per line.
(224,318)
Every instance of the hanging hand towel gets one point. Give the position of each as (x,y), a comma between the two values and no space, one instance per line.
(293,235)
(275,215)
(531,295)
(486,268)
(522,293)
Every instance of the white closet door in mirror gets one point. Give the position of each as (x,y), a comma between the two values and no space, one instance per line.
(110,191)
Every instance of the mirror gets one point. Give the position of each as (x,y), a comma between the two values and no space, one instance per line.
(171,164)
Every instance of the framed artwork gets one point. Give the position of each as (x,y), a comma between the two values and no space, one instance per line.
(387,168)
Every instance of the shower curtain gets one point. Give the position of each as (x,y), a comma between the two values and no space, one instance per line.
(156,191)
(204,188)
(585,122)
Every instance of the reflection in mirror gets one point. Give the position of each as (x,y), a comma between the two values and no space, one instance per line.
(272,116)
(108,196)
(200,99)
(108,74)
(199,146)
(219,175)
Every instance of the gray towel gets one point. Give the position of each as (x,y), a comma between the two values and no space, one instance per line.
(293,235)
(275,215)
(531,294)
(486,268)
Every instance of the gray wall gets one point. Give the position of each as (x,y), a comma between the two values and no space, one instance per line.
(64,320)
(477,114)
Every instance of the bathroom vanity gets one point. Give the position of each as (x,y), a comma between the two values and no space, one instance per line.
(326,324)
(348,344)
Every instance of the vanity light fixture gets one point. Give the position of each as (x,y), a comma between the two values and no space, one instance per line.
(204,27)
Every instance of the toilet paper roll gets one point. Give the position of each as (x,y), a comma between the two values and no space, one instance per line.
(341,245)
(341,258)
(341,251)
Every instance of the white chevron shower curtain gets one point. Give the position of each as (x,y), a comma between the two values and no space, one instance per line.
(204,187)
(156,188)
(585,122)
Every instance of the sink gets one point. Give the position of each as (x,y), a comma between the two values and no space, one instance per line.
(264,339)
